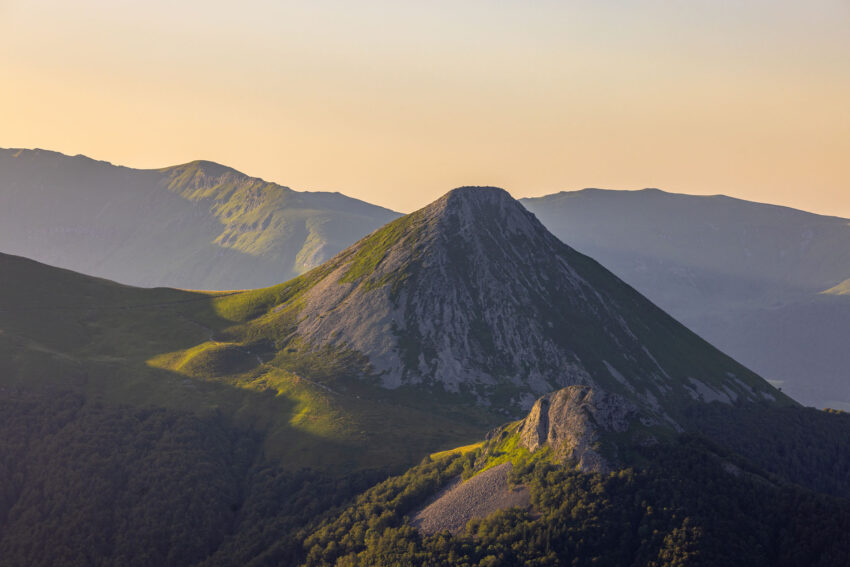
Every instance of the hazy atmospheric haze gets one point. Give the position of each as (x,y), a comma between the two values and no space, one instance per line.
(396,102)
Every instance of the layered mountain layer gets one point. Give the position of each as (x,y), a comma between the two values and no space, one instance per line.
(763,283)
(199,225)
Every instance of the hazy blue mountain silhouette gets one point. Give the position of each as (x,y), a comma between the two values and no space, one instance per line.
(748,277)
(198,225)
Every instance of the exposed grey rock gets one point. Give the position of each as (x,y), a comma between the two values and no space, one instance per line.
(571,422)
(473,295)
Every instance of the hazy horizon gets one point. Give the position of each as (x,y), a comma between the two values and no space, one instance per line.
(395,103)
(446,189)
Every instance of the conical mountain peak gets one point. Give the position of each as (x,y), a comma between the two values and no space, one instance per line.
(481,203)
(478,196)
(473,297)
(465,207)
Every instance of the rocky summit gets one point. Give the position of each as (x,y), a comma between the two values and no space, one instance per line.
(471,295)
(570,422)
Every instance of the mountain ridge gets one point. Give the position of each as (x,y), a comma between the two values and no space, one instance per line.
(567,193)
(198,225)
(746,276)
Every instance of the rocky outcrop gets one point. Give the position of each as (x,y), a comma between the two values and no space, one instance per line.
(573,421)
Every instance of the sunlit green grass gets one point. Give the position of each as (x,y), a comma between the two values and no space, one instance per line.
(190,351)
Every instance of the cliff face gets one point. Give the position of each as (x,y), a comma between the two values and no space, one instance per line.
(572,422)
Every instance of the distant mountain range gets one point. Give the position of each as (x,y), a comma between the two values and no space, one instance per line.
(765,284)
(199,225)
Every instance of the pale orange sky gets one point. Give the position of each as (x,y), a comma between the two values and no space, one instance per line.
(396,102)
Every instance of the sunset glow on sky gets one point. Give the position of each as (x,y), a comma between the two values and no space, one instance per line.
(396,102)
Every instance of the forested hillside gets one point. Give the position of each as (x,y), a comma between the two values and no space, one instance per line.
(688,503)
(85,483)
(88,483)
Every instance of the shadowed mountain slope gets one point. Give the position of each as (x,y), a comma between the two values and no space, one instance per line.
(200,225)
(746,276)
(118,345)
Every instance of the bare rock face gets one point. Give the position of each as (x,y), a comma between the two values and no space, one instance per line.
(473,297)
(480,276)
(570,421)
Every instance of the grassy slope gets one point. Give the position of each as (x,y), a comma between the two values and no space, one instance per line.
(268,220)
(841,289)
(189,350)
